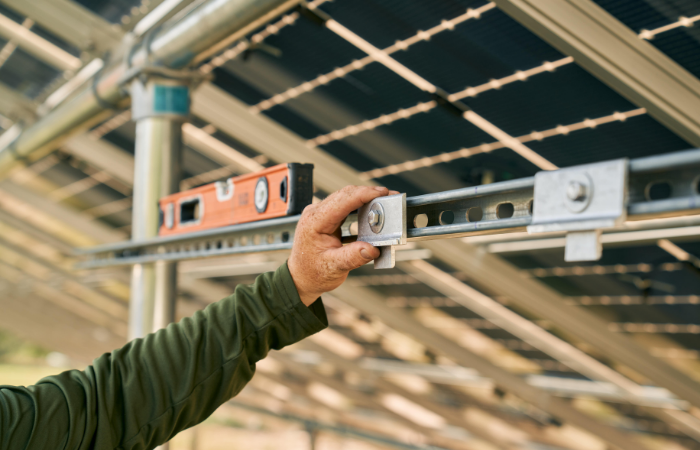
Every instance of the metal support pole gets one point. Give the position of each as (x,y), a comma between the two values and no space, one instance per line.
(165,294)
(160,107)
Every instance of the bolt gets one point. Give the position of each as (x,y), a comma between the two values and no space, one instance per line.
(373,217)
(576,191)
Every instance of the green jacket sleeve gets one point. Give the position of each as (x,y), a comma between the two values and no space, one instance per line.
(143,394)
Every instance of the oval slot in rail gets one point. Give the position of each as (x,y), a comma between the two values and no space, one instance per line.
(447,218)
(505,211)
(475,214)
(659,190)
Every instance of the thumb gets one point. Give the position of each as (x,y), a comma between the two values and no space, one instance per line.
(352,256)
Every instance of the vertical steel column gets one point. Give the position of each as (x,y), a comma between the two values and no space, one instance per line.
(160,106)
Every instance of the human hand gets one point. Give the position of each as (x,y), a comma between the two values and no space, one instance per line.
(319,261)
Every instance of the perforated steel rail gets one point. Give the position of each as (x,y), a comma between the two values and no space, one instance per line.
(264,236)
(657,186)
(662,185)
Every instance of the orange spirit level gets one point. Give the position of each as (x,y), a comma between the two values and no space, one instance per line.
(282,190)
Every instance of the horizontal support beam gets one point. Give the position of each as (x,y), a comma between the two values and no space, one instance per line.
(71,22)
(34,285)
(42,322)
(605,47)
(451,375)
(103,155)
(453,415)
(89,228)
(501,278)
(37,46)
(372,304)
(341,430)
(231,116)
(213,148)
(521,327)
(16,106)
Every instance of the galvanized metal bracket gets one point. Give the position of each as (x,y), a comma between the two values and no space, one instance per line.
(382,223)
(581,200)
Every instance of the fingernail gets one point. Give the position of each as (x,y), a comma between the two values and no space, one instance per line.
(364,254)
(380,188)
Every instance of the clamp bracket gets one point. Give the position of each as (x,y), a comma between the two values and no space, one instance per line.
(581,200)
(382,223)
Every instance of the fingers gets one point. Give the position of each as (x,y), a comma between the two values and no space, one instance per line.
(331,212)
(351,256)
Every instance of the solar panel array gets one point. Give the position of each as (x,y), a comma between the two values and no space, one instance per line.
(321,87)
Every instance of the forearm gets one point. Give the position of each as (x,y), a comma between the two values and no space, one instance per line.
(205,360)
(141,395)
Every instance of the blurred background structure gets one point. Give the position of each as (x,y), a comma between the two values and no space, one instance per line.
(482,342)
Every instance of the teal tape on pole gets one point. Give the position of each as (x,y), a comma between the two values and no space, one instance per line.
(171,100)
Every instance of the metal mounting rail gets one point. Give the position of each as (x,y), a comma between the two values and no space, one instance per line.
(264,236)
(673,176)
(581,200)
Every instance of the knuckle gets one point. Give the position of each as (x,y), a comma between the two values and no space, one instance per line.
(308,211)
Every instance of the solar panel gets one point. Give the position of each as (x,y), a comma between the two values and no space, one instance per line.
(336,98)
